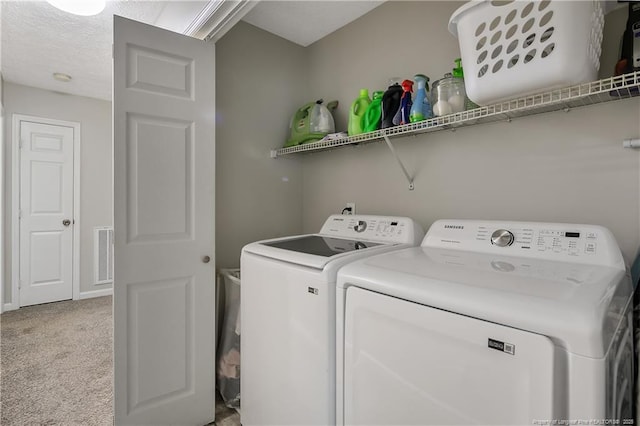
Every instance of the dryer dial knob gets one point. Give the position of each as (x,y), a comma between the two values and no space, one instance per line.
(502,238)
(361,226)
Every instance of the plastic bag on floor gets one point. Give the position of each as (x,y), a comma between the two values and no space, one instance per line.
(228,359)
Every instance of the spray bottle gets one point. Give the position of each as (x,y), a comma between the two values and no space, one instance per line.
(421,109)
(402,116)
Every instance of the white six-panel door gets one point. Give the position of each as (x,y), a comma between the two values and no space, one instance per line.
(46,212)
(164,292)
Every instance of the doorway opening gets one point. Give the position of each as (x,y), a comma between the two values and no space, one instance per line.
(45,264)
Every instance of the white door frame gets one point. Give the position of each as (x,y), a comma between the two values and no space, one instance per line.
(2,200)
(15,204)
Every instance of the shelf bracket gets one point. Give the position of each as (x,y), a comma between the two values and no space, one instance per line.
(631,143)
(395,154)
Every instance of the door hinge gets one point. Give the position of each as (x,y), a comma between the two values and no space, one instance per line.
(20,144)
(19,284)
(20,214)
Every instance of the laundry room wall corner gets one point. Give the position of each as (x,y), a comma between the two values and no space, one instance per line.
(256,197)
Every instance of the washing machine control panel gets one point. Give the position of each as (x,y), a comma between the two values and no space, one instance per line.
(570,240)
(502,238)
(373,228)
(582,243)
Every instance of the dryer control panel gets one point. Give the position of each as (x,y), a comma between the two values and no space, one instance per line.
(384,229)
(554,241)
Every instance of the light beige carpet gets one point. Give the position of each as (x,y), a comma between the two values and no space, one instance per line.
(56,363)
(56,366)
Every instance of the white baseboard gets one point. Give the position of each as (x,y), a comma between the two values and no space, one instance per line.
(95,293)
(84,295)
(9,307)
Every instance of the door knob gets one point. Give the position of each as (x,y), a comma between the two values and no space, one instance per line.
(66,222)
(206,259)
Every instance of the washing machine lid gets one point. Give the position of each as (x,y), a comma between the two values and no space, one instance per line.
(341,236)
(312,250)
(319,245)
(570,303)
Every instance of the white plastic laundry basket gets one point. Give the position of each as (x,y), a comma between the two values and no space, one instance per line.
(516,48)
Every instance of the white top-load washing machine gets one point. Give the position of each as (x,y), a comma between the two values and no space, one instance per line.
(288,315)
(488,323)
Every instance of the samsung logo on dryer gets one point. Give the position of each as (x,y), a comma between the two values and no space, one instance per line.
(454,227)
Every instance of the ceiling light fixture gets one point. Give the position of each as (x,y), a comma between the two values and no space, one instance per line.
(65,78)
(79,7)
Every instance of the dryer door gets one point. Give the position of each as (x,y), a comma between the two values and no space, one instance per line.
(406,363)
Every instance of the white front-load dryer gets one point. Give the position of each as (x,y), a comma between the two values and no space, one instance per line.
(488,323)
(288,315)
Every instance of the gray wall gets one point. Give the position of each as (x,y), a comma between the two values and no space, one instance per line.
(260,81)
(96,194)
(558,167)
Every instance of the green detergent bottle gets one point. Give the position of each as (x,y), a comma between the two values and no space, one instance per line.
(373,114)
(358,107)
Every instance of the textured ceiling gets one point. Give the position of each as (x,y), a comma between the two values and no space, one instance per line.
(38,40)
(304,22)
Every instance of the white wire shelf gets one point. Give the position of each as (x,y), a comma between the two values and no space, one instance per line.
(608,89)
